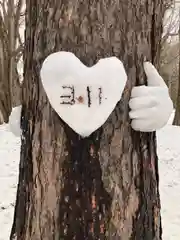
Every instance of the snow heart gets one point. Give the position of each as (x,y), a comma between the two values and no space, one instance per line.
(82,96)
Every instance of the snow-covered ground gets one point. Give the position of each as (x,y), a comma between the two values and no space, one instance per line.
(9,160)
(169,168)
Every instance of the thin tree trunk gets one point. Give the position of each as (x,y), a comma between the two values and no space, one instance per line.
(176,120)
(104,186)
(10,49)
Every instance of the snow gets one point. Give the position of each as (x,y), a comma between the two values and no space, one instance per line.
(9,160)
(83,90)
(169,169)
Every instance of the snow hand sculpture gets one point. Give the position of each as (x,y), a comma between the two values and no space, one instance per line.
(82,96)
(150,105)
(14,121)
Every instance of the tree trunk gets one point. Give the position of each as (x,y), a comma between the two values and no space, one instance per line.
(5,106)
(176,120)
(104,186)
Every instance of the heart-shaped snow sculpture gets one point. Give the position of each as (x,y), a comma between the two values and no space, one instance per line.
(83,97)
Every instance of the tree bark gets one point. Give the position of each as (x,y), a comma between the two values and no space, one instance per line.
(104,186)
(176,120)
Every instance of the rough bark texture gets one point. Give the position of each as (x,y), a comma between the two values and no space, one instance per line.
(176,120)
(104,186)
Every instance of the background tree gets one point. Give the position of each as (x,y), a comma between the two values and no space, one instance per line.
(11,48)
(104,186)
(169,49)
(169,68)
(177,112)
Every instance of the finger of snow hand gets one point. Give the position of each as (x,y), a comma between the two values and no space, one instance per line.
(140,91)
(142,102)
(142,113)
(153,77)
(142,125)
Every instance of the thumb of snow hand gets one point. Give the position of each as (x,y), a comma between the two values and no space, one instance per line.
(153,77)
(14,121)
